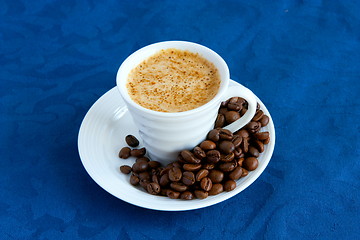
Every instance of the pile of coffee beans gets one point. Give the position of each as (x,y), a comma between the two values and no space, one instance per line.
(211,167)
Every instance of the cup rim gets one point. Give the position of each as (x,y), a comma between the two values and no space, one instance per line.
(155,47)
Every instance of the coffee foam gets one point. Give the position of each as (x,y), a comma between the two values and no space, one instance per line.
(173,80)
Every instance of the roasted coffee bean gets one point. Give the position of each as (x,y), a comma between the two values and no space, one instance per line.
(132,141)
(201,174)
(154,164)
(138,152)
(189,157)
(124,153)
(134,180)
(191,167)
(214,135)
(224,103)
(145,159)
(245,145)
(250,163)
(227,158)
(227,167)
(257,106)
(237,152)
(144,176)
(229,185)
(141,166)
(231,116)
(187,195)
(226,147)
(199,153)
(216,176)
(213,156)
(266,141)
(216,189)
(244,172)
(207,145)
(235,103)
(253,127)
(259,145)
(163,191)
(208,166)
(258,115)
(180,187)
(200,194)
(253,151)
(236,173)
(125,169)
(172,194)
(188,178)
(240,161)
(153,188)
(175,174)
(243,133)
(264,121)
(176,164)
(237,141)
(220,121)
(261,135)
(222,110)
(164,180)
(144,183)
(225,134)
(206,184)
(243,111)
(180,159)
(155,179)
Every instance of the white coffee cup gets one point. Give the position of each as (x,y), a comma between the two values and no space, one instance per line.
(165,134)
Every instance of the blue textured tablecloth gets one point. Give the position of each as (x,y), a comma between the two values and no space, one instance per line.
(302,58)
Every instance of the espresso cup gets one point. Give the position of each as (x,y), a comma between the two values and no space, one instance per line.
(165,134)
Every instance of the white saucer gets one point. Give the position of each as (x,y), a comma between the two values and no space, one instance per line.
(102,135)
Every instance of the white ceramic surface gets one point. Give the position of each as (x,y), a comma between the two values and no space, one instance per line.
(102,135)
(165,134)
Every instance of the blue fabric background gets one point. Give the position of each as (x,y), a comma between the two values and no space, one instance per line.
(302,58)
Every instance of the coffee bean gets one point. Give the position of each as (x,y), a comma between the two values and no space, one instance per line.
(180,187)
(227,167)
(216,189)
(155,179)
(206,184)
(132,141)
(200,194)
(153,188)
(227,158)
(164,180)
(189,157)
(250,163)
(229,185)
(225,134)
(240,161)
(140,167)
(145,159)
(186,195)
(216,176)
(224,103)
(259,114)
(144,176)
(220,121)
(173,194)
(237,140)
(243,133)
(245,145)
(154,164)
(261,135)
(264,121)
(191,167)
(125,169)
(231,116)
(259,145)
(253,151)
(236,173)
(175,174)
(235,103)
(266,141)
(226,147)
(188,178)
(124,153)
(138,152)
(201,174)
(163,191)
(214,135)
(207,145)
(144,183)
(134,180)
(213,156)
(176,164)
(257,106)
(199,153)
(253,127)
(208,166)
(243,111)
(222,110)
(244,172)
(237,152)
